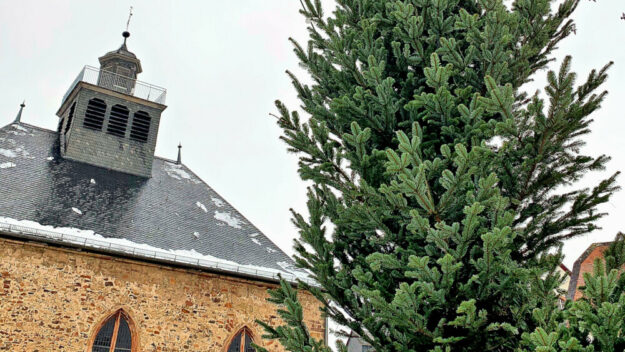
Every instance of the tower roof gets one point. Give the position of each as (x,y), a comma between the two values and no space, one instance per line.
(122,54)
(123,50)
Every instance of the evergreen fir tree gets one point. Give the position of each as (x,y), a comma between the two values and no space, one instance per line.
(437,183)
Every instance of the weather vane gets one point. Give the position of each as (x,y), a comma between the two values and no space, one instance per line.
(129,16)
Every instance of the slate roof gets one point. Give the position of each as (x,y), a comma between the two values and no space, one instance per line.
(123,50)
(173,210)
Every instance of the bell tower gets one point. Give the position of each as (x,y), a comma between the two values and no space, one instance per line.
(109,118)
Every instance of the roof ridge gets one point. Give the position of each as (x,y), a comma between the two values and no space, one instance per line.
(43,129)
(28,125)
(166,159)
(36,127)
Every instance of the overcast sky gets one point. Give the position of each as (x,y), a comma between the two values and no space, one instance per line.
(223,65)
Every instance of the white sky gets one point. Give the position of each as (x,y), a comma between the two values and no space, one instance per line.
(599,30)
(223,65)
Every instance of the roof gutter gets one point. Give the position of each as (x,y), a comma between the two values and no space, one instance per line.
(90,244)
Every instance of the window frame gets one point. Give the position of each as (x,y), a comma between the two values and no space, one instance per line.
(117,313)
(140,124)
(117,121)
(243,331)
(88,122)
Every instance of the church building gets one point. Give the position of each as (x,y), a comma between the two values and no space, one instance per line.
(105,247)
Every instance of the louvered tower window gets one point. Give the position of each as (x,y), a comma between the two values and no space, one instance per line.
(118,121)
(242,342)
(94,117)
(70,118)
(140,128)
(114,335)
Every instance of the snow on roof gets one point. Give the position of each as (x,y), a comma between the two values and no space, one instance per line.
(89,239)
(174,212)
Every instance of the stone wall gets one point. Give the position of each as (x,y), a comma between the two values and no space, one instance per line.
(52,299)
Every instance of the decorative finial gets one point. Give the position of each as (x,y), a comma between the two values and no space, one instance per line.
(18,118)
(126,34)
(179,160)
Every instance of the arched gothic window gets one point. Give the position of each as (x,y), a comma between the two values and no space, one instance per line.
(118,120)
(114,335)
(241,342)
(94,116)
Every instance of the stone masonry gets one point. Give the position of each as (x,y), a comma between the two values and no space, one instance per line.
(52,299)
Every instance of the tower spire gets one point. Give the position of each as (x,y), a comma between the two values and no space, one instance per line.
(122,61)
(18,118)
(179,160)
(126,34)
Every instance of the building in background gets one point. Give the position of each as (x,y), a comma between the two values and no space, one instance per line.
(105,247)
(355,343)
(564,286)
(584,264)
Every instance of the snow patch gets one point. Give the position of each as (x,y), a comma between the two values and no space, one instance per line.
(14,153)
(270,250)
(177,172)
(196,235)
(255,240)
(289,267)
(23,130)
(8,153)
(50,158)
(228,219)
(77,211)
(254,234)
(7,165)
(24,152)
(218,202)
(92,181)
(495,142)
(201,206)
(18,127)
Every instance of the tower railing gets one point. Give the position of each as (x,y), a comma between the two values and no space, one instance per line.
(119,83)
